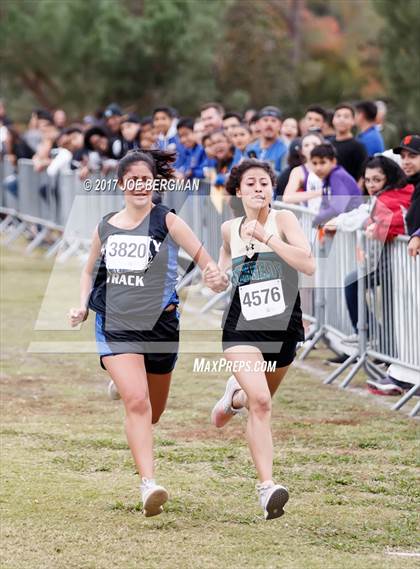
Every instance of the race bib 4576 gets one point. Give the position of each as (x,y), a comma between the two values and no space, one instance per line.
(262,300)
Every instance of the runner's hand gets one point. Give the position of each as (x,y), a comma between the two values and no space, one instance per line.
(254,230)
(77,315)
(214,278)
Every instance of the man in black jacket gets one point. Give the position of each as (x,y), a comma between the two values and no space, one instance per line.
(351,154)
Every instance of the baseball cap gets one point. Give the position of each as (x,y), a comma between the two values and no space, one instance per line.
(410,143)
(270,111)
(112,110)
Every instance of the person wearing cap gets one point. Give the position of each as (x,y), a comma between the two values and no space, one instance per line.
(409,149)
(130,130)
(112,116)
(112,123)
(269,147)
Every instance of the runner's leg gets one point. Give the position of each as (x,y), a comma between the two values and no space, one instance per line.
(258,429)
(129,375)
(159,384)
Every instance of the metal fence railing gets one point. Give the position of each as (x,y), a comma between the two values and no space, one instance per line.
(387,278)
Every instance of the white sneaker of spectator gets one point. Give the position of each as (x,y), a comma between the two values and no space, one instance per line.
(351,340)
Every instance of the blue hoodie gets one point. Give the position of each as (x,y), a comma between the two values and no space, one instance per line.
(192,161)
(273,154)
(372,140)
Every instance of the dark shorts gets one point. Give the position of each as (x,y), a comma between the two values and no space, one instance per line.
(159,346)
(273,347)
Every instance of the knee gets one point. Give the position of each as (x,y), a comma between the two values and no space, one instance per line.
(138,405)
(260,404)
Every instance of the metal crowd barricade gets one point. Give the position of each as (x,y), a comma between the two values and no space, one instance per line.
(394,311)
(341,261)
(9,201)
(388,312)
(82,204)
(36,205)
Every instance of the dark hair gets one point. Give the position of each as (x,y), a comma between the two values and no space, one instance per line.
(318,110)
(94,130)
(159,162)
(44,115)
(232,115)
(345,106)
(234,181)
(71,130)
(296,121)
(330,116)
(313,133)
(146,121)
(185,122)
(167,110)
(205,138)
(395,177)
(295,156)
(324,150)
(368,108)
(255,118)
(219,108)
(243,125)
(219,131)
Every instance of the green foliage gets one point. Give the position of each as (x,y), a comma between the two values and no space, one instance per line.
(82,55)
(401,62)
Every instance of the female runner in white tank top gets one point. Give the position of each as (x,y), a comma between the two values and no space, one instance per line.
(263,321)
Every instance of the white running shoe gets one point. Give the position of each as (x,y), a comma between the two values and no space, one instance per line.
(113,391)
(153,497)
(351,340)
(223,410)
(272,498)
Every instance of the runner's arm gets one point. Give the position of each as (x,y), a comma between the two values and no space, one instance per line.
(184,236)
(225,260)
(297,251)
(77,315)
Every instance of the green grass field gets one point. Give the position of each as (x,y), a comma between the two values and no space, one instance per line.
(70,495)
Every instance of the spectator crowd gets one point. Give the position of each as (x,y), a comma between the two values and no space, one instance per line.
(326,160)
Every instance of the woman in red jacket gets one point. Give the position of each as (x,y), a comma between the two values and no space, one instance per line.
(385,181)
(386,184)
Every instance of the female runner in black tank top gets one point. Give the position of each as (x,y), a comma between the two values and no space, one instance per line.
(135,301)
(263,321)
